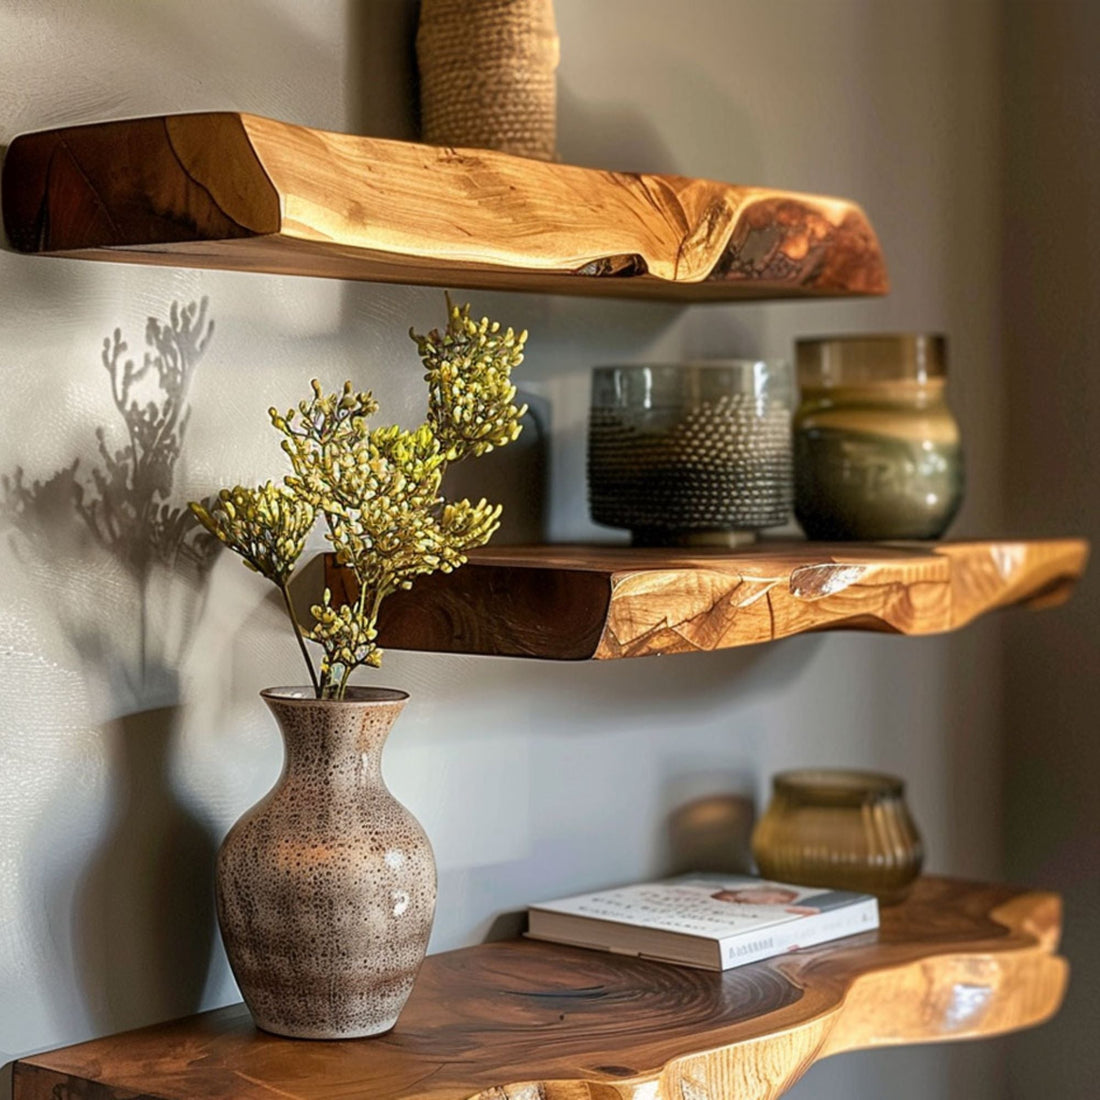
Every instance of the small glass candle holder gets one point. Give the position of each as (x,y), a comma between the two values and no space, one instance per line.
(848,830)
(694,454)
(877,452)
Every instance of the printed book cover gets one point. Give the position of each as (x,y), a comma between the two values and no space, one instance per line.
(710,921)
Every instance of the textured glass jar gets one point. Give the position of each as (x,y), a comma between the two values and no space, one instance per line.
(691,454)
(848,830)
(877,452)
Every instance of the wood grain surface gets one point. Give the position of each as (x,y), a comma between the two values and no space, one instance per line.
(602,602)
(520,1020)
(226,190)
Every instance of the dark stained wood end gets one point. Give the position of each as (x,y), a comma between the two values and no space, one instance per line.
(152,181)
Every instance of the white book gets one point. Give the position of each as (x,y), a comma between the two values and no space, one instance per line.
(710,921)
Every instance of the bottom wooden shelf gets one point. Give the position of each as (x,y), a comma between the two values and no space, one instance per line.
(520,1020)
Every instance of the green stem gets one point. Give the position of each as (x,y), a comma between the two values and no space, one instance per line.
(361,604)
(342,686)
(341,691)
(301,639)
(379,594)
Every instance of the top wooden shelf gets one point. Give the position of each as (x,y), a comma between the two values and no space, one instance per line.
(520,1020)
(236,191)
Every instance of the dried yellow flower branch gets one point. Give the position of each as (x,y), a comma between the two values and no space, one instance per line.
(267,526)
(378,489)
(471,398)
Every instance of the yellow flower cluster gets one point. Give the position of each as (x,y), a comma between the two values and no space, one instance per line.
(378,489)
(320,437)
(471,399)
(267,526)
(346,638)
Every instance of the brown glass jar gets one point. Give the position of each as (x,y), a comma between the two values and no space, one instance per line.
(847,830)
(876,448)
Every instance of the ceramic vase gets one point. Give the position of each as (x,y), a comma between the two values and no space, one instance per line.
(326,887)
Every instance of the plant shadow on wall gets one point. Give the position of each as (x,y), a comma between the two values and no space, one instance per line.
(142,912)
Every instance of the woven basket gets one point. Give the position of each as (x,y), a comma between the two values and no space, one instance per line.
(487,75)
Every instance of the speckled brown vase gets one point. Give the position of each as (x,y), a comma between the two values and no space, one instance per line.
(326,887)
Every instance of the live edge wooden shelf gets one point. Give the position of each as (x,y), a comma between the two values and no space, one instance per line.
(519,1020)
(581,602)
(228,190)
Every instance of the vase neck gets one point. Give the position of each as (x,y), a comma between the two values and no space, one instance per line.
(340,742)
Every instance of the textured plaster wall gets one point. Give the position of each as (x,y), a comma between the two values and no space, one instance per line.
(130,732)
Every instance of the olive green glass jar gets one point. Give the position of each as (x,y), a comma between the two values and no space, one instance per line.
(877,453)
(847,830)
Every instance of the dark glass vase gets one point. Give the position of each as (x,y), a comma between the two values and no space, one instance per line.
(691,454)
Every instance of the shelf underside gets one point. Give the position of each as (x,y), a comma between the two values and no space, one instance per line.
(520,1020)
(236,191)
(601,602)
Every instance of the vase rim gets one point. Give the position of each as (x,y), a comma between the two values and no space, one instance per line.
(305,695)
(848,785)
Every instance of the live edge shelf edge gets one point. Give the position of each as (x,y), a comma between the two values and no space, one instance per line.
(236,191)
(520,1020)
(604,602)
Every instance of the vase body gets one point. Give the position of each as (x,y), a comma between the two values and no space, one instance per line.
(877,451)
(845,830)
(326,887)
(488,75)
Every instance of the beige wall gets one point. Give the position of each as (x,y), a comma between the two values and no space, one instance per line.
(532,779)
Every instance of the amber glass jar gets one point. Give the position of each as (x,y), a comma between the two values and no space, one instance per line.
(877,452)
(847,830)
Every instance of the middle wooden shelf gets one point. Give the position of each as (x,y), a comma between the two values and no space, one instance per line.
(579,602)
